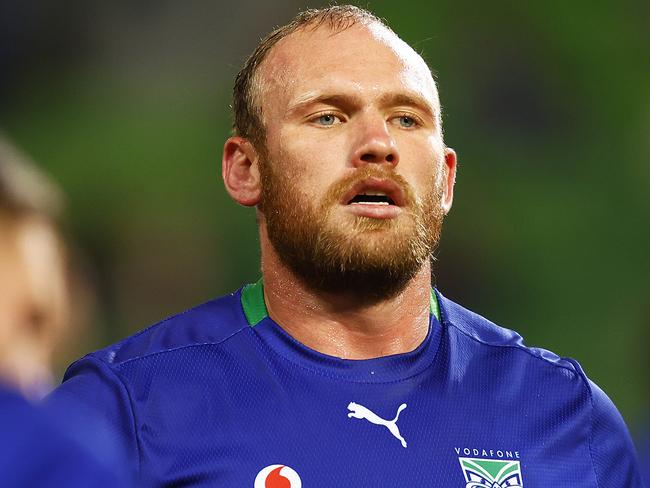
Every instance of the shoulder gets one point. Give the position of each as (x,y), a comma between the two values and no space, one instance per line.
(213,322)
(102,390)
(481,334)
(503,353)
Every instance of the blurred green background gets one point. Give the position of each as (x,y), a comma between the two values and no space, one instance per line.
(125,104)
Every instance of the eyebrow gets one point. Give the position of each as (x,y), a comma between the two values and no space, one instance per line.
(410,100)
(352,102)
(343,101)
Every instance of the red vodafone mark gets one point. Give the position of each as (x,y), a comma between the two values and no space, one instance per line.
(276,480)
(277,476)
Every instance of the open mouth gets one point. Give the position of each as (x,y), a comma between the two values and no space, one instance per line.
(370,198)
(375,191)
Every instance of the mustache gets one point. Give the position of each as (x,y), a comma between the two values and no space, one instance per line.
(339,188)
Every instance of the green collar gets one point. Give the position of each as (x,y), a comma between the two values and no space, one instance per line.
(252,300)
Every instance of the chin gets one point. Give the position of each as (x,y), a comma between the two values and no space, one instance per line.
(370,265)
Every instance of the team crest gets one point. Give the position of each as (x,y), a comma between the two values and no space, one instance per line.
(491,473)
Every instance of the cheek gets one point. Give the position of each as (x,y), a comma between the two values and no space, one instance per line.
(423,160)
(311,162)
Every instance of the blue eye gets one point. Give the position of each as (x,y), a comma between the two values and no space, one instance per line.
(327,119)
(406,121)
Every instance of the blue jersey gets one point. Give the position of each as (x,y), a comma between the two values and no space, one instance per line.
(221,395)
(37,451)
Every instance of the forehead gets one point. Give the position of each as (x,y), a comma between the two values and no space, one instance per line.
(366,59)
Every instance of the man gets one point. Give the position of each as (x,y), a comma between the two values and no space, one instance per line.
(342,367)
(36,449)
(34,298)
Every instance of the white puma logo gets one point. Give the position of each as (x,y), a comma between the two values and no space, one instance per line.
(360,412)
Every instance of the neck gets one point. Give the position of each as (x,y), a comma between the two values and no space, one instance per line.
(334,324)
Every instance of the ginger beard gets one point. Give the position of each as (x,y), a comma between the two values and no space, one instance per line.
(373,259)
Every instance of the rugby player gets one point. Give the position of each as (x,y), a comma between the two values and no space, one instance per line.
(342,366)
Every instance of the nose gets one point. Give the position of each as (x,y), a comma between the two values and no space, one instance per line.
(375,144)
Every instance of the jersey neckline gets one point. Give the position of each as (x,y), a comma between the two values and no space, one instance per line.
(252,301)
(383,369)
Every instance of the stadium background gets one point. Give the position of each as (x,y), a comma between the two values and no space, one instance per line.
(125,104)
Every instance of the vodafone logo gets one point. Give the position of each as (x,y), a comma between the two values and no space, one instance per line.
(277,476)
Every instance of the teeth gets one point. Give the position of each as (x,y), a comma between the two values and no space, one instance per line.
(372,197)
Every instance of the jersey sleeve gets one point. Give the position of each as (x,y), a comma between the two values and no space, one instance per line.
(613,454)
(94,402)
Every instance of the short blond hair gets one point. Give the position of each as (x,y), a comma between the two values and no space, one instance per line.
(247,111)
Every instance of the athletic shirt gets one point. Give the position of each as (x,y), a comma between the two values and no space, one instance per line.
(221,395)
(37,450)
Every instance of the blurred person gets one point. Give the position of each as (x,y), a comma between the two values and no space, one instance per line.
(342,366)
(38,448)
(34,297)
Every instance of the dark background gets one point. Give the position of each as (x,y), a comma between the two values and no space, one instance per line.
(125,104)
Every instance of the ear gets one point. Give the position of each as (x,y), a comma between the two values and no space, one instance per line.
(240,171)
(450,179)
